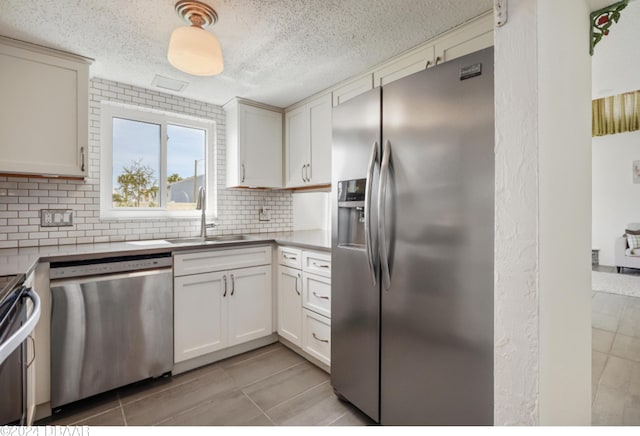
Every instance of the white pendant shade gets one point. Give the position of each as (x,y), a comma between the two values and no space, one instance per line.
(195,51)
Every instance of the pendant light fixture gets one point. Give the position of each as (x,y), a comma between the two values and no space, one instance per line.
(191,48)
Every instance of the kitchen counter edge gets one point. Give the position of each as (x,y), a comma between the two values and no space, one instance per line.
(15,261)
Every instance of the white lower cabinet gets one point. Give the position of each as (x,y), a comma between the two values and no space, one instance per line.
(304,302)
(316,338)
(200,315)
(219,309)
(250,304)
(317,293)
(290,304)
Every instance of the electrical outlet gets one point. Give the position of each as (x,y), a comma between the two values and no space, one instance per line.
(263,214)
(56,217)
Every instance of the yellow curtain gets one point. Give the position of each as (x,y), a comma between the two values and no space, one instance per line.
(616,114)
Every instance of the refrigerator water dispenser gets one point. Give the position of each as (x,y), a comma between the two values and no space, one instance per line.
(351,213)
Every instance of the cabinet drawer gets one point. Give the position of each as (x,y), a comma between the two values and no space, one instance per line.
(316,338)
(218,260)
(290,257)
(316,294)
(316,263)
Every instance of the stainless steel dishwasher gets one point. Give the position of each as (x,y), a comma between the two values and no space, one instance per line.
(111,324)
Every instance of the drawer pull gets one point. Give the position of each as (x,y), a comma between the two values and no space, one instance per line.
(322,297)
(318,339)
(289,257)
(318,265)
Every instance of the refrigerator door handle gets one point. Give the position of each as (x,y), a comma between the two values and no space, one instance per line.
(382,209)
(367,211)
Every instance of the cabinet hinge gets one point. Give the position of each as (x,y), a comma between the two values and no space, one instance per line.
(500,8)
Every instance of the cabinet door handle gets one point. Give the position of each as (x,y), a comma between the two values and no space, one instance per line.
(297,278)
(243,173)
(233,285)
(318,339)
(302,173)
(320,265)
(82,159)
(309,173)
(438,60)
(322,297)
(224,278)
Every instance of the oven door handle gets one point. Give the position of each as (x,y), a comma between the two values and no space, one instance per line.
(20,335)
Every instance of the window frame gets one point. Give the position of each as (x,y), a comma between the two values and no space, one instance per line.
(109,111)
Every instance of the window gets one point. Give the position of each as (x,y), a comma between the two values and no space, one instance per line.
(153,163)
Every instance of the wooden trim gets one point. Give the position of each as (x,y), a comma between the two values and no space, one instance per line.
(326,187)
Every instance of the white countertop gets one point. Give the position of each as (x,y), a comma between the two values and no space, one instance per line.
(23,260)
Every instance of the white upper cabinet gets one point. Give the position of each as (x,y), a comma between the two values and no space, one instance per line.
(468,38)
(44,111)
(296,146)
(352,89)
(308,143)
(471,37)
(254,146)
(411,63)
(319,169)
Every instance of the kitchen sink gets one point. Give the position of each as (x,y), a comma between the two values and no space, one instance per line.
(227,238)
(209,239)
(184,240)
(194,240)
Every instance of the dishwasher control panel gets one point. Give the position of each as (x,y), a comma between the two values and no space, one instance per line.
(82,268)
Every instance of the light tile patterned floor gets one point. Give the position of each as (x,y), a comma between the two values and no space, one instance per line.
(268,386)
(616,359)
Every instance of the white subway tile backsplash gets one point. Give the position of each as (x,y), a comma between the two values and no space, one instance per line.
(22,198)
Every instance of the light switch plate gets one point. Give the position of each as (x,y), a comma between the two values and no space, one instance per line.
(56,217)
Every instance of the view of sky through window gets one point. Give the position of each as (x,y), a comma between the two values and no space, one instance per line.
(137,170)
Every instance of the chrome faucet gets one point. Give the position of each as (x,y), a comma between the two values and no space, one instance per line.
(201,205)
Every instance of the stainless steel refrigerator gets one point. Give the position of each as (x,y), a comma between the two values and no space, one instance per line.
(412,247)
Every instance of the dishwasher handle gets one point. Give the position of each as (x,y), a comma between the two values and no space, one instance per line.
(20,335)
(109,277)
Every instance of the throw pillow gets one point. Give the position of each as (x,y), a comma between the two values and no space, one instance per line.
(632,232)
(633,241)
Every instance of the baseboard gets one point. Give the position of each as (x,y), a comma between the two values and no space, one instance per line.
(307,356)
(42,411)
(199,361)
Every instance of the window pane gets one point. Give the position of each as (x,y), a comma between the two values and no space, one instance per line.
(136,164)
(185,166)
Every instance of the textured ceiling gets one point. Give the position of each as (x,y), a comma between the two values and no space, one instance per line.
(275,51)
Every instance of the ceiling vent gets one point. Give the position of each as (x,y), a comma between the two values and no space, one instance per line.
(170,84)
